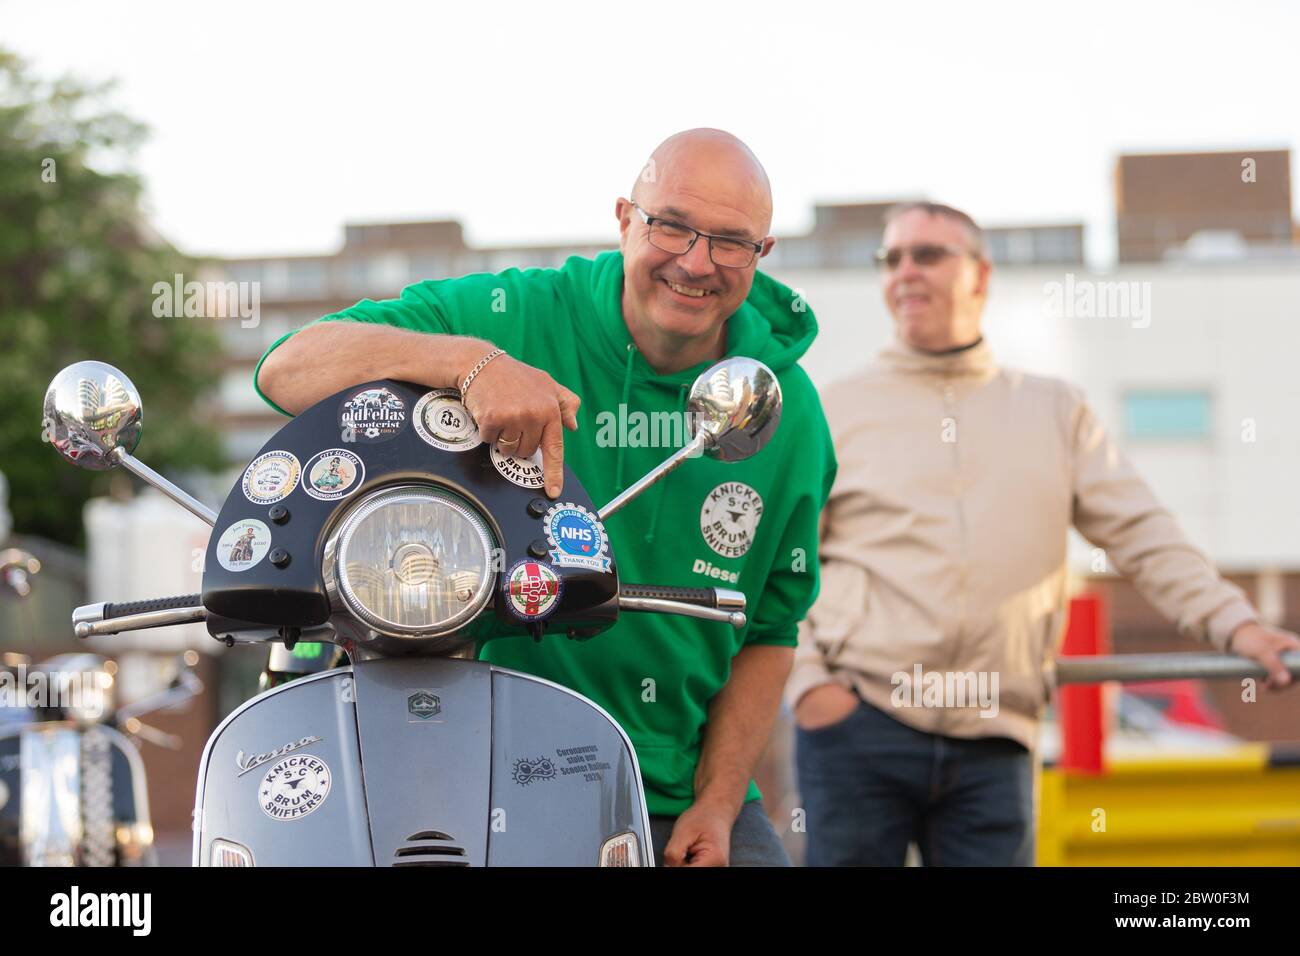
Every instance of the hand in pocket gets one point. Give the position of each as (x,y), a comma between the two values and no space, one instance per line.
(824,706)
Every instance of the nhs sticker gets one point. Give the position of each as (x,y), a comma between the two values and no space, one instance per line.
(576,538)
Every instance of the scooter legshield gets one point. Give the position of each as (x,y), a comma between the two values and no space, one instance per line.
(419,762)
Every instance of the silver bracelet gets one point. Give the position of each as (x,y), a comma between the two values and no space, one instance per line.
(464,386)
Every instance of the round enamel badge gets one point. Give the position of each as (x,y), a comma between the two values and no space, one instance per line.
(443,422)
(730,517)
(524,472)
(294,787)
(271,477)
(333,474)
(533,590)
(371,415)
(243,544)
(576,538)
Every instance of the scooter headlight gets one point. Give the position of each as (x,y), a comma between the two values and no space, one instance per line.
(414,561)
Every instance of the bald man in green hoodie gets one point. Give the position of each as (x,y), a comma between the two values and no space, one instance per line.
(634,328)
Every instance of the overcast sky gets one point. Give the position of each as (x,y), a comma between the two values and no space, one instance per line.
(274,123)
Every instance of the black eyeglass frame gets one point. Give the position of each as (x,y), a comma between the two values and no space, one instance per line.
(882,254)
(650,220)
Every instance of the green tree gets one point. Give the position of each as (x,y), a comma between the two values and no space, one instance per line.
(78,263)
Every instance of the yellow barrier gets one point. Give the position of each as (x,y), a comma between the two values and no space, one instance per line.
(1230,809)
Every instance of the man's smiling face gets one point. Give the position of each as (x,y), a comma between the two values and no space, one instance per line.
(710,183)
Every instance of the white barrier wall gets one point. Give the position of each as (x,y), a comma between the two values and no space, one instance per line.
(147,547)
(1232,329)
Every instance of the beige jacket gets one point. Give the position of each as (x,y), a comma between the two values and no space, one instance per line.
(944,541)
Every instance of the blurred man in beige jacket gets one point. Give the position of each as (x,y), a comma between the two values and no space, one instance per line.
(923,668)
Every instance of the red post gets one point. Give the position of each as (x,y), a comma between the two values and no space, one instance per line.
(1081,714)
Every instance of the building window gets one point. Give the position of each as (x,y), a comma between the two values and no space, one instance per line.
(1167,415)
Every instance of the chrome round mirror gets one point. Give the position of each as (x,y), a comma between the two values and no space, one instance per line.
(738,402)
(91,410)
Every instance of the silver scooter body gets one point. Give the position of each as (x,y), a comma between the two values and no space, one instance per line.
(413,755)
(419,762)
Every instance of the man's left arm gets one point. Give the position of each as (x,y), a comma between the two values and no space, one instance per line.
(741,716)
(1115,509)
(743,712)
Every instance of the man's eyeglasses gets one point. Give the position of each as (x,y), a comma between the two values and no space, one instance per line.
(923,254)
(673,237)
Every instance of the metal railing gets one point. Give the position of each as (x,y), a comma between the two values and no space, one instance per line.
(1142,667)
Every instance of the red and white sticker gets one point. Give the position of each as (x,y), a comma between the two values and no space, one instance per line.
(533,590)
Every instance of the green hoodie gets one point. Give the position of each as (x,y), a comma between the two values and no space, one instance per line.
(748,525)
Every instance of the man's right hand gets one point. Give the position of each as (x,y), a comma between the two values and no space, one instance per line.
(824,705)
(519,409)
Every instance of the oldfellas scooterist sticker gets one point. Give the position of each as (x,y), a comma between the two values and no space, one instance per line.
(271,477)
(243,544)
(294,787)
(443,422)
(730,517)
(332,474)
(524,472)
(576,538)
(532,590)
(371,415)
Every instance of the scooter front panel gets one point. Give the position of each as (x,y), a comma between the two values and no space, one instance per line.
(281,777)
(564,777)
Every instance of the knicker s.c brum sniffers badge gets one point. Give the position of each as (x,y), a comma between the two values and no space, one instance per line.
(576,538)
(524,472)
(532,590)
(271,477)
(444,422)
(294,787)
(243,544)
(371,415)
(332,474)
(730,517)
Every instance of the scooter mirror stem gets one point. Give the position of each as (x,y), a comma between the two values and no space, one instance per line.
(146,474)
(692,449)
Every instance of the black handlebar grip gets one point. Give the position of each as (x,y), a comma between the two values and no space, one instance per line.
(153,604)
(704,597)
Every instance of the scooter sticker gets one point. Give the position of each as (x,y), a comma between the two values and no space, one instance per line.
(333,474)
(243,544)
(533,590)
(294,787)
(443,422)
(526,771)
(576,537)
(730,517)
(371,415)
(271,477)
(524,472)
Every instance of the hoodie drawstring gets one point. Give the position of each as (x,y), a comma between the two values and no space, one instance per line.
(663,485)
(627,392)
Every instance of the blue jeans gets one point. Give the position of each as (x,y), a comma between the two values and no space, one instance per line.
(871,785)
(753,839)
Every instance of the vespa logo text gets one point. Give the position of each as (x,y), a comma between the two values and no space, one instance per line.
(249,762)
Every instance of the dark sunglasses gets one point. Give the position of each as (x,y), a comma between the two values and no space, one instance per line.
(923,254)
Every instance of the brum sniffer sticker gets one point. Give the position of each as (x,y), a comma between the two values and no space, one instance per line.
(294,787)
(730,517)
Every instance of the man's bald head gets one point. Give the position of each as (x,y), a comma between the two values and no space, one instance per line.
(676,303)
(708,163)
